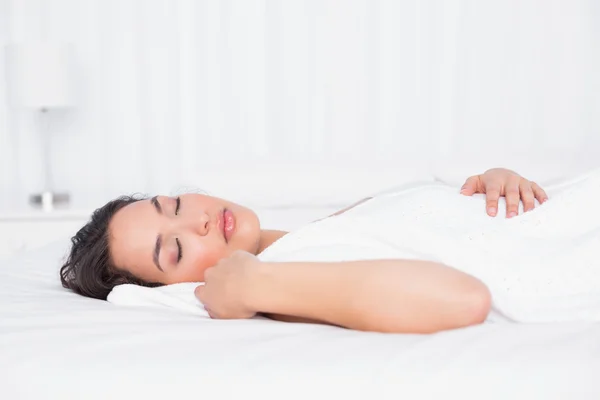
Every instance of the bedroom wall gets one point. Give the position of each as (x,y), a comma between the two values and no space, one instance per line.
(6,161)
(171,92)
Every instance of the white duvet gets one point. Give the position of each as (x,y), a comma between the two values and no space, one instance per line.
(55,344)
(543,266)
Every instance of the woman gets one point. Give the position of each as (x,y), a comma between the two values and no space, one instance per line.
(198,238)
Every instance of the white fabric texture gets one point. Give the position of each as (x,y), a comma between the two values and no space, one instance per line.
(542,266)
(178,296)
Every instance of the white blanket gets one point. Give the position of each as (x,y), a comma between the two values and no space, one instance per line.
(541,266)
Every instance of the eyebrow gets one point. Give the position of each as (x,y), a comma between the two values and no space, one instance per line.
(157,252)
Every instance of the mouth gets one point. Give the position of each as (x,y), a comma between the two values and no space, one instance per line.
(227,224)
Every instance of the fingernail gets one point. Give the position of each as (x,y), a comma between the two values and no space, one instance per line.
(512,214)
(492,210)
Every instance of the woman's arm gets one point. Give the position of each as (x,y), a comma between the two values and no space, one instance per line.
(406,296)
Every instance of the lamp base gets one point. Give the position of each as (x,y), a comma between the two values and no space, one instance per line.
(48,201)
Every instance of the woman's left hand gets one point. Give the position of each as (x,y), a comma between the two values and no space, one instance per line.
(227,286)
(498,182)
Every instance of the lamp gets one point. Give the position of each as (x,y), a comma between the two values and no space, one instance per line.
(39,77)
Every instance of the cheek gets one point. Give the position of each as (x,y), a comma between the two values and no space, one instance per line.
(199,258)
(248,231)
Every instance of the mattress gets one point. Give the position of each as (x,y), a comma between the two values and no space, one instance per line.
(57,345)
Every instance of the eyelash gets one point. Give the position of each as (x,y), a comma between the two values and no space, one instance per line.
(178,200)
(179,253)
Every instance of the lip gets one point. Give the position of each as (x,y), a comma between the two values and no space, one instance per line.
(221,223)
(228,224)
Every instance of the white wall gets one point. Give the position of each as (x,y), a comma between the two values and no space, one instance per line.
(174,91)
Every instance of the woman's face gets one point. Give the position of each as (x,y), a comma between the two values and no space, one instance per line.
(175,239)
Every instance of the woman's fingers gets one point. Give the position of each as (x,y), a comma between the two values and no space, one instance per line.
(527,196)
(500,182)
(210,313)
(199,292)
(512,195)
(470,186)
(492,194)
(539,193)
(201,295)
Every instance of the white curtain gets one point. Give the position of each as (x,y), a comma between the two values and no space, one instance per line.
(174,90)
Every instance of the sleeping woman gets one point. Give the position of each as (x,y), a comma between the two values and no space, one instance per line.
(371,266)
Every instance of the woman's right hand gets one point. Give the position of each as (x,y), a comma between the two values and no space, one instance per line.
(226,290)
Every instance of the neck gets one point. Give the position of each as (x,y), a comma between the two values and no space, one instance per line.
(267,238)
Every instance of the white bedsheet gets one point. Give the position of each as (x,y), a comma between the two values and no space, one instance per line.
(57,345)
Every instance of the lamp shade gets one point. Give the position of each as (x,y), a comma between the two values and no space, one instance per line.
(40,75)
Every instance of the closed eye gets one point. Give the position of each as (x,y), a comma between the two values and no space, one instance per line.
(178,204)
(179,253)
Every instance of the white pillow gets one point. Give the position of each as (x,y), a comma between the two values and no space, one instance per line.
(179,296)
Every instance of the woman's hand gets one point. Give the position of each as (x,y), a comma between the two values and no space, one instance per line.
(498,182)
(226,286)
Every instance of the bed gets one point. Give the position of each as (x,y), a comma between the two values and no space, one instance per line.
(54,344)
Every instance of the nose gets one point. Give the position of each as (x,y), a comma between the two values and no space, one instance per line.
(198,226)
(204,224)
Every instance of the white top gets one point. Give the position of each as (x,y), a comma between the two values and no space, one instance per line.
(540,266)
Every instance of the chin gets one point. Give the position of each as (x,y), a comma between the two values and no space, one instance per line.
(247,229)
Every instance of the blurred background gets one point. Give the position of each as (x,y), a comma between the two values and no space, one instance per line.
(229,96)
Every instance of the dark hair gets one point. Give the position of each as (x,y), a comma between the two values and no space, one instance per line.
(89,269)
